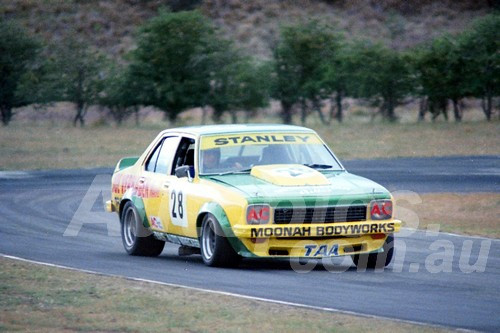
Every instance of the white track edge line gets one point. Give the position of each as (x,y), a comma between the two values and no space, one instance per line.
(226,293)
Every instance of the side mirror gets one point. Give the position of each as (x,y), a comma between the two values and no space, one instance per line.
(183,171)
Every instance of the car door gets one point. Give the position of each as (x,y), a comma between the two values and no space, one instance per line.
(179,192)
(155,179)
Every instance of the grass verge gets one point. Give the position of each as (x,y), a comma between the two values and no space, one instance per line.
(470,214)
(30,146)
(39,298)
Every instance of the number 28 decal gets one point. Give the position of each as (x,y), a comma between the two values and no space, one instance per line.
(178,213)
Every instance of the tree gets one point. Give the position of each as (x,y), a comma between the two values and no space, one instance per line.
(252,86)
(299,66)
(224,60)
(172,59)
(75,76)
(285,82)
(18,52)
(336,75)
(381,75)
(121,93)
(480,48)
(236,82)
(439,68)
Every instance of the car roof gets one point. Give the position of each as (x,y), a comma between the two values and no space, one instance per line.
(239,128)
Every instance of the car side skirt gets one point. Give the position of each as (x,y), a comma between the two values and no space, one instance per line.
(176,239)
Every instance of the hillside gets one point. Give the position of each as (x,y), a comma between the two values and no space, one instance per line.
(110,25)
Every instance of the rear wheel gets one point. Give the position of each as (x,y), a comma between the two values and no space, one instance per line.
(376,260)
(137,240)
(215,248)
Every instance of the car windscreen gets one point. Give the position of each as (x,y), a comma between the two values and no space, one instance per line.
(226,153)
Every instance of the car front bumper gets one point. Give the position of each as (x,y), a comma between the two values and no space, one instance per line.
(315,240)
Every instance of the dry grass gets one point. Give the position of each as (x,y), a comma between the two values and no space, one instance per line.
(472,214)
(41,146)
(411,140)
(47,147)
(38,298)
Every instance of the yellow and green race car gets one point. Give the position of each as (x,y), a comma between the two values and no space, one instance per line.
(232,191)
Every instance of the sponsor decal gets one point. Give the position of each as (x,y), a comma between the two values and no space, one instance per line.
(355,229)
(121,183)
(209,142)
(281,232)
(294,171)
(316,190)
(313,250)
(156,222)
(323,230)
(258,214)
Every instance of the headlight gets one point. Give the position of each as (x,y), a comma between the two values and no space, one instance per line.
(381,209)
(258,214)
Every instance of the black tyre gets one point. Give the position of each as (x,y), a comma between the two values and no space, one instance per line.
(376,260)
(215,248)
(138,240)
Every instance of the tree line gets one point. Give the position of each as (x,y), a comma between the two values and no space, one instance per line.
(181,62)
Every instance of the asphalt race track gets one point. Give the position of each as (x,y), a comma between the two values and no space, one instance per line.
(430,280)
(438,174)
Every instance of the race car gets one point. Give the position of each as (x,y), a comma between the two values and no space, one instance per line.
(255,191)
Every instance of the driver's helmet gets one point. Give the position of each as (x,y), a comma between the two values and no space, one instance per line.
(210,158)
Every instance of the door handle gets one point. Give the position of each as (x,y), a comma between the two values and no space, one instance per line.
(166,184)
(142,180)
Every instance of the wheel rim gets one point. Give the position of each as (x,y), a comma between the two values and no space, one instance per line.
(208,240)
(129,228)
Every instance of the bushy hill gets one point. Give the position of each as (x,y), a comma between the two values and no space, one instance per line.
(109,25)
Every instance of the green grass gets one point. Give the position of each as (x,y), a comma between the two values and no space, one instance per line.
(40,298)
(41,146)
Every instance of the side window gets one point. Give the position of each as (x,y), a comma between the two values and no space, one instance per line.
(151,163)
(161,159)
(185,154)
(168,149)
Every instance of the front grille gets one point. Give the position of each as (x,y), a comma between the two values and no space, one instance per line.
(320,214)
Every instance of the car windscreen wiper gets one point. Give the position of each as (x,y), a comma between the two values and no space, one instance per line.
(233,172)
(319,166)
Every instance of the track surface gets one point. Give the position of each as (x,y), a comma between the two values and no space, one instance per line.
(438,174)
(37,207)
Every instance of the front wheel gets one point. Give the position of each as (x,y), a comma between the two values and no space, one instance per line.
(138,240)
(376,260)
(215,248)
